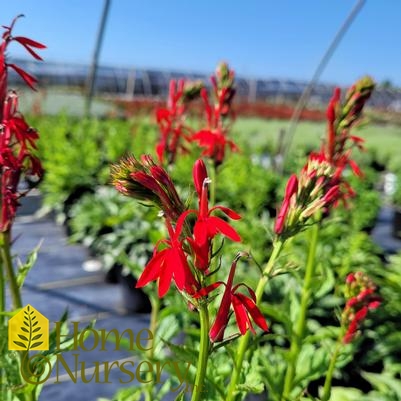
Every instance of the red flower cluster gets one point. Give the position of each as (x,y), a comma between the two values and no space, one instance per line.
(171,263)
(185,256)
(341,117)
(321,184)
(171,119)
(317,189)
(361,299)
(213,138)
(17,139)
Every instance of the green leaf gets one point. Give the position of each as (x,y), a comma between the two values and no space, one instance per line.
(345,394)
(27,266)
(22,337)
(312,364)
(384,382)
(183,352)
(36,337)
(36,344)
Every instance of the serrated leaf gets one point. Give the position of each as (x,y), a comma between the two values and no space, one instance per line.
(183,352)
(34,345)
(20,344)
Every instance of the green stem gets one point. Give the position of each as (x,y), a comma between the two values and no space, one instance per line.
(8,265)
(329,377)
(203,354)
(243,345)
(155,301)
(299,331)
(6,261)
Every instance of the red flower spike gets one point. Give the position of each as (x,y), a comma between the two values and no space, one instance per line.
(17,139)
(361,293)
(171,120)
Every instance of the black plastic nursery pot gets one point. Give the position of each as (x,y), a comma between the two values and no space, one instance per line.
(134,300)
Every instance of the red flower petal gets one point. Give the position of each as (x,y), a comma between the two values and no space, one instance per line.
(241,316)
(216,225)
(29,79)
(166,275)
(29,42)
(199,173)
(254,311)
(207,290)
(229,212)
(152,269)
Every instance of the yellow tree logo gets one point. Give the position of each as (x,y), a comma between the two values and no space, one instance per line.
(28,330)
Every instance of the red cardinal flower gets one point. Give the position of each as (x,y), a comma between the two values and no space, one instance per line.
(29,45)
(362,297)
(219,116)
(341,117)
(208,226)
(171,119)
(169,264)
(244,307)
(214,144)
(17,139)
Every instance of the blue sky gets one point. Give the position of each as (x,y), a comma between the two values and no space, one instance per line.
(267,39)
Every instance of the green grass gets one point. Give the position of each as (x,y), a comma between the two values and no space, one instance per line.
(384,141)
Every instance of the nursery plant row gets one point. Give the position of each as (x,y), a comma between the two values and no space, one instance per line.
(77,155)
